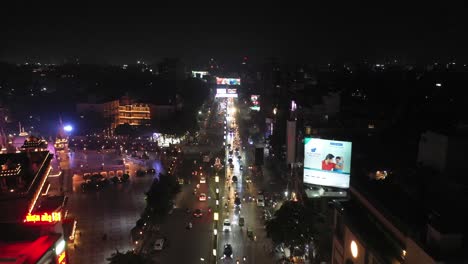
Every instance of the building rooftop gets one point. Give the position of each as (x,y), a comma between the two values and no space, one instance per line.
(411,216)
(365,226)
(22,175)
(27,251)
(404,212)
(32,142)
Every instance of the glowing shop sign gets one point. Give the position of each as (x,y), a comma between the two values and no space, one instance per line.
(43,218)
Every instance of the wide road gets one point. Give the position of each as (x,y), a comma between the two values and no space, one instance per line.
(187,245)
(255,251)
(194,245)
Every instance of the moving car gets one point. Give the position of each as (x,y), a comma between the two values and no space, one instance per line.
(248,180)
(202,179)
(159,244)
(227,251)
(202,197)
(227,225)
(241,221)
(250,233)
(237,201)
(197,213)
(241,167)
(234,178)
(260,201)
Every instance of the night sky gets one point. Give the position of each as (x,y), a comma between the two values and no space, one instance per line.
(123,34)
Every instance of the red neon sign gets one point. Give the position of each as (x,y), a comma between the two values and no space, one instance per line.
(43,218)
(61,259)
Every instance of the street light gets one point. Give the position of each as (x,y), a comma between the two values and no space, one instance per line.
(68,128)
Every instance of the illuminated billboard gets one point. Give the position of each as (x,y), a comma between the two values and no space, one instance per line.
(223,93)
(228,81)
(199,74)
(327,162)
(254,100)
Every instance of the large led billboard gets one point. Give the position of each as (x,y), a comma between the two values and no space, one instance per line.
(223,93)
(228,81)
(327,162)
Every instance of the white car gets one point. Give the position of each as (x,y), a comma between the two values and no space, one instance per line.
(227,225)
(202,179)
(159,244)
(202,197)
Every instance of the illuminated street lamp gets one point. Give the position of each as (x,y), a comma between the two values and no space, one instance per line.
(68,128)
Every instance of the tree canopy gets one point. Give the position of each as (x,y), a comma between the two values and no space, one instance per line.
(161,194)
(292,225)
(129,257)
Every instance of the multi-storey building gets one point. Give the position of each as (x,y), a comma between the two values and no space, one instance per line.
(31,222)
(133,114)
(119,112)
(384,225)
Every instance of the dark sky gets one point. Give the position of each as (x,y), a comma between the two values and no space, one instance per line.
(123,34)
